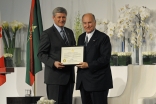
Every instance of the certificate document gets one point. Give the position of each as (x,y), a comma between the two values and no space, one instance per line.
(72,55)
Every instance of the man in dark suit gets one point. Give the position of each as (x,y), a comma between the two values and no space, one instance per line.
(59,79)
(94,77)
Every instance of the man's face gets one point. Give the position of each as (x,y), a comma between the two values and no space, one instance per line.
(60,19)
(88,23)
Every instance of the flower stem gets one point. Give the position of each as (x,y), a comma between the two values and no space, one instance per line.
(4,40)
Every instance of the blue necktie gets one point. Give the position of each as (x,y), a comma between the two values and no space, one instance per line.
(64,36)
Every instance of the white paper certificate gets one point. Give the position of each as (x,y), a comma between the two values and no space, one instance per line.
(72,55)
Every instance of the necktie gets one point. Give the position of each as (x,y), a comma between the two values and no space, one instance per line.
(86,40)
(64,36)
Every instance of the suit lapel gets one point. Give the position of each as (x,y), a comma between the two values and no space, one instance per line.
(68,36)
(58,35)
(82,39)
(92,41)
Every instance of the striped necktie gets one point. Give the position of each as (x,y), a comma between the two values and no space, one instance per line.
(62,32)
(86,40)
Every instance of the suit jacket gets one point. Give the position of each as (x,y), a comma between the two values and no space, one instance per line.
(97,54)
(50,51)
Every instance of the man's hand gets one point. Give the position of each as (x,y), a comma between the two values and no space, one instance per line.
(58,65)
(83,65)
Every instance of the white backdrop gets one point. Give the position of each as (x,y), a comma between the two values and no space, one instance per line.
(20,9)
(103,9)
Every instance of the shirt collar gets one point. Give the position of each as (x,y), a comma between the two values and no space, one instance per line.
(90,34)
(58,28)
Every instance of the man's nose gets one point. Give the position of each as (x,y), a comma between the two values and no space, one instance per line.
(87,25)
(62,19)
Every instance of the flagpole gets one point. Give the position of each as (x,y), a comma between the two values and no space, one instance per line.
(34,87)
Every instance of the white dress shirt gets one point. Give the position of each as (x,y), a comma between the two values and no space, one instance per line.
(90,35)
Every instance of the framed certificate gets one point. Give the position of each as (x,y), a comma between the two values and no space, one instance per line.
(72,55)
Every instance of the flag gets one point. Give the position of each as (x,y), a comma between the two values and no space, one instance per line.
(2,64)
(35,28)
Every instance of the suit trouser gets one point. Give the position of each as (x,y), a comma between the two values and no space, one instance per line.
(93,97)
(62,94)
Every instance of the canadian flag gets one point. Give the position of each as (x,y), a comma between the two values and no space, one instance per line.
(2,64)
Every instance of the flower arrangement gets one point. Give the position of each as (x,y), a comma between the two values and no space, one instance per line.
(101,25)
(9,30)
(124,58)
(124,53)
(114,53)
(134,20)
(77,27)
(149,58)
(8,55)
(114,59)
(8,60)
(44,100)
(106,26)
(149,53)
(120,58)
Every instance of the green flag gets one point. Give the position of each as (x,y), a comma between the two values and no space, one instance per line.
(34,30)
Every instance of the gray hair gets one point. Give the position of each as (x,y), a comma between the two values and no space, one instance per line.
(59,10)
